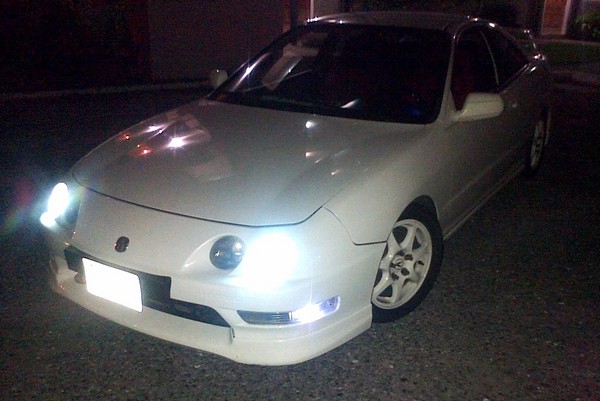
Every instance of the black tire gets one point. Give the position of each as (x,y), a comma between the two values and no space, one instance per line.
(409,265)
(536,146)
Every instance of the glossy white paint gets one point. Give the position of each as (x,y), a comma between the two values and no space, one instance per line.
(238,164)
(480,106)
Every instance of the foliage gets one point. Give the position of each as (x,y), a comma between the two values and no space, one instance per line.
(587,27)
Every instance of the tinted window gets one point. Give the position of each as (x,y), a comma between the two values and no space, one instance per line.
(473,68)
(509,59)
(376,73)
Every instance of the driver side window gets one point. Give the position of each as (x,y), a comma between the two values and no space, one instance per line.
(473,67)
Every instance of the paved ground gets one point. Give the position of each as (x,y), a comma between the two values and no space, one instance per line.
(515,314)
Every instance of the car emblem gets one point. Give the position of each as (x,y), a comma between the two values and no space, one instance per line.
(121,244)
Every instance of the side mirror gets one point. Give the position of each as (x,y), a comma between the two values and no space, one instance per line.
(217,77)
(479,106)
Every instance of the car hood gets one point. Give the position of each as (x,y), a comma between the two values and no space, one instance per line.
(237,164)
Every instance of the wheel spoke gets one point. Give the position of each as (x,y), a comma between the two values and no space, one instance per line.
(385,281)
(408,241)
(421,251)
(397,292)
(396,287)
(393,246)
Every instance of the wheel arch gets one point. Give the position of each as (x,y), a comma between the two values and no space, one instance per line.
(426,203)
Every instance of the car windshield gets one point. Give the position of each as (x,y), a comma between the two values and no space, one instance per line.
(367,72)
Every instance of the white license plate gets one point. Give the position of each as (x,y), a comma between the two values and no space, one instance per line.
(113,284)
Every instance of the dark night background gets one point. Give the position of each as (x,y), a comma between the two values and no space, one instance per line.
(65,44)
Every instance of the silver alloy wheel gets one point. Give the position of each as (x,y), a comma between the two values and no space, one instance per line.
(405,264)
(537,144)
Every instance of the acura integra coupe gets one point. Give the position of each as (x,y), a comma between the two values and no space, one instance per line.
(309,194)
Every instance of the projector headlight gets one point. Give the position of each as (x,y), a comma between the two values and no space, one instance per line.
(58,202)
(227,253)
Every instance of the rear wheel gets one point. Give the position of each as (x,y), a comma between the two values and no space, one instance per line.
(409,266)
(537,144)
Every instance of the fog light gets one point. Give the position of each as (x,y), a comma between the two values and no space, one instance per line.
(307,314)
(227,253)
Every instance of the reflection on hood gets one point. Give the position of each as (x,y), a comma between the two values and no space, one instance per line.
(236,164)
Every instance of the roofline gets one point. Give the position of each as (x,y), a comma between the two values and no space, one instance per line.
(418,19)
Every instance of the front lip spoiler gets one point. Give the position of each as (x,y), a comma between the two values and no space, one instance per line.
(156,291)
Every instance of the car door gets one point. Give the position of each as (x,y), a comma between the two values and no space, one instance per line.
(475,145)
(488,151)
(517,86)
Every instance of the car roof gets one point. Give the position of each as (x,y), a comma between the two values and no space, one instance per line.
(422,20)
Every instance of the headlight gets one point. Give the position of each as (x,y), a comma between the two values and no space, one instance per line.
(270,261)
(57,204)
(227,253)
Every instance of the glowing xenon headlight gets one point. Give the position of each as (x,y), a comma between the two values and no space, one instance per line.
(270,261)
(57,204)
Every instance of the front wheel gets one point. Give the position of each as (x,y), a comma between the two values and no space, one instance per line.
(537,144)
(409,266)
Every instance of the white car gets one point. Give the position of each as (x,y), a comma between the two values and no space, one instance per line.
(309,194)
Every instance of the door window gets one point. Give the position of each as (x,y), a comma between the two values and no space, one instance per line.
(473,69)
(509,60)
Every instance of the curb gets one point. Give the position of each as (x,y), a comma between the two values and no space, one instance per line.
(105,90)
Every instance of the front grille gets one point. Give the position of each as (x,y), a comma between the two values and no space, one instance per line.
(156,294)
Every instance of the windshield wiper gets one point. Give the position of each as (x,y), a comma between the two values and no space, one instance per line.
(299,103)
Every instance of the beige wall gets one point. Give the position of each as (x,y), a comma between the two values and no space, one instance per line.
(188,38)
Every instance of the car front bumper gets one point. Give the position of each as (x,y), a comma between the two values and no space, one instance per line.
(328,266)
